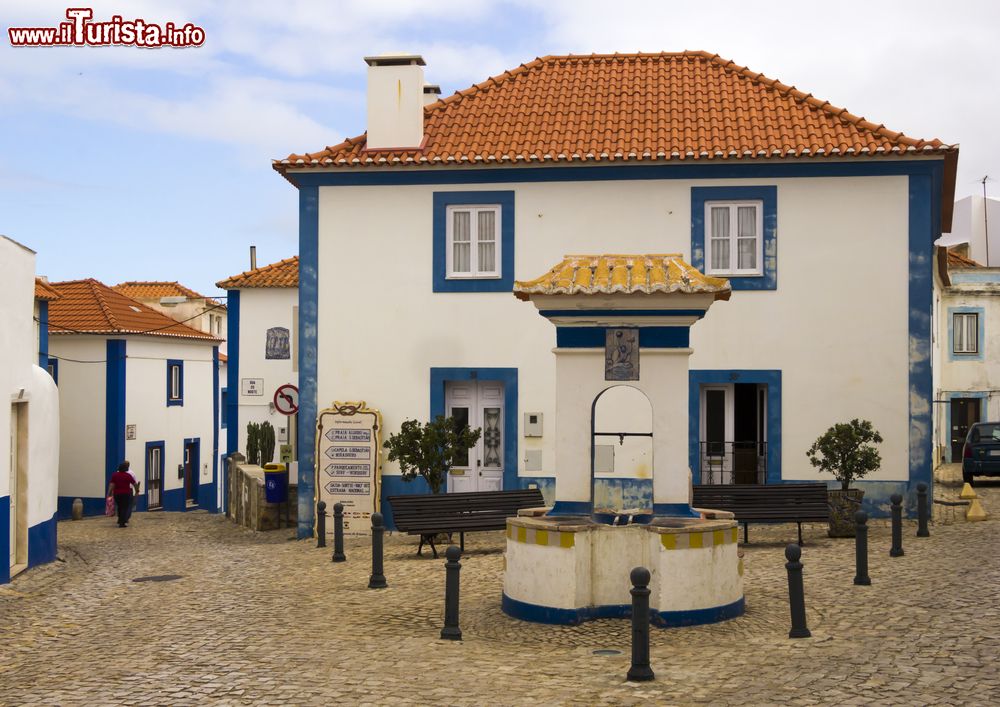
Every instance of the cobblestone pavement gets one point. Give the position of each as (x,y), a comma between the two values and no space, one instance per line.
(262,619)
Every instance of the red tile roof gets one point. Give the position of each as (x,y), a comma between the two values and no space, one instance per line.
(154,290)
(956,260)
(628,107)
(284,273)
(91,307)
(44,291)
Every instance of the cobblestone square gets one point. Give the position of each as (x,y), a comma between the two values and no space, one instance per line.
(265,619)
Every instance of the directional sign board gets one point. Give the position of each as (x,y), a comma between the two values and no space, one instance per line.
(286,399)
(348,463)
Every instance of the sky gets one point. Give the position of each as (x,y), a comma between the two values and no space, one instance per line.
(124,163)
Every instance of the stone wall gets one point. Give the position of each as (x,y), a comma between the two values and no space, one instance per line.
(247,503)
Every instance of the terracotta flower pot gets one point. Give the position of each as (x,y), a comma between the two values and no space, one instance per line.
(843,506)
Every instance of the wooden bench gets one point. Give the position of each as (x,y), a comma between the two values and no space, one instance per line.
(427,515)
(771,503)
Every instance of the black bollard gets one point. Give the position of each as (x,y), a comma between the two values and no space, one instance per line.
(377,580)
(796,593)
(640,670)
(922,531)
(321,524)
(338,532)
(861,549)
(897,525)
(451,631)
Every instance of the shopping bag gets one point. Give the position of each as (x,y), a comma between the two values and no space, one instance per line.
(109,506)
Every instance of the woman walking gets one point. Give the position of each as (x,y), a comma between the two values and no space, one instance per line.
(121,486)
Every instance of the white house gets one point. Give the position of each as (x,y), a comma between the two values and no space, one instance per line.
(977,223)
(29,416)
(263,306)
(181,304)
(413,234)
(967,341)
(137,385)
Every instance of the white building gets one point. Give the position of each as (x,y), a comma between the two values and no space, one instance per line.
(968,347)
(975,217)
(181,304)
(411,239)
(263,335)
(137,385)
(29,416)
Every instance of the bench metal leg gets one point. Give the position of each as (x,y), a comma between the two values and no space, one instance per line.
(746,533)
(800,533)
(429,539)
(462,539)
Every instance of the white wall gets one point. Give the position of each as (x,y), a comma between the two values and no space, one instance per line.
(261,309)
(146,405)
(836,326)
(969,225)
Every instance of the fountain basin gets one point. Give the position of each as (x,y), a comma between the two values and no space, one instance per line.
(566,570)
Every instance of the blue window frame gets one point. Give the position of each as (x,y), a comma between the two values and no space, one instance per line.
(224,399)
(175,382)
(53,368)
(767,198)
(966,340)
(499,282)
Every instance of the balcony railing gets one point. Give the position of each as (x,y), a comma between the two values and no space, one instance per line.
(733,462)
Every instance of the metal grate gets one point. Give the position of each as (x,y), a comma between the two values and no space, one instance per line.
(158,578)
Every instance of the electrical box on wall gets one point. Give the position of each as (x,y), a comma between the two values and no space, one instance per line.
(533,460)
(532,424)
(604,458)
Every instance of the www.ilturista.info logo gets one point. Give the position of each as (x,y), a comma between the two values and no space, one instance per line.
(82,31)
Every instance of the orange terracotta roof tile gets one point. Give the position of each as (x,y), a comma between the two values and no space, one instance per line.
(688,105)
(284,273)
(154,289)
(223,358)
(44,291)
(625,274)
(91,307)
(955,260)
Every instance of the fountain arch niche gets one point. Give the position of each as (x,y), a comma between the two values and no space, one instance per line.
(621,455)
(622,338)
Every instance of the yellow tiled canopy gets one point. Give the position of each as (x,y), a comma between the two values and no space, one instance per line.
(626,274)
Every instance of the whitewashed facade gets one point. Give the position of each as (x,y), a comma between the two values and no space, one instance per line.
(29,418)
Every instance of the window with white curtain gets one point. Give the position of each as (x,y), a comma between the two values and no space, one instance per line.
(965,326)
(734,237)
(473,241)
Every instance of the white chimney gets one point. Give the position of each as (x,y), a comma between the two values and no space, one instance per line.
(432,93)
(395,101)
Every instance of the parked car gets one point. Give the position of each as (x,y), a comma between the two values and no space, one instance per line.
(981,453)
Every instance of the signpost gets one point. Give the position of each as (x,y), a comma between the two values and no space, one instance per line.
(348,463)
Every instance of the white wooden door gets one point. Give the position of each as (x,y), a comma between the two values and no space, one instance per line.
(13,485)
(478,404)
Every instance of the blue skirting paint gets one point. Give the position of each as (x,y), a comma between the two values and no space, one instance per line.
(675,510)
(395,486)
(4,536)
(92,506)
(571,508)
(174,500)
(42,542)
(664,619)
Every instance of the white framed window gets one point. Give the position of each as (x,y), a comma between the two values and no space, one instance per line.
(473,241)
(734,237)
(965,326)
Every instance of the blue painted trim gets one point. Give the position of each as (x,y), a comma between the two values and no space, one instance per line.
(656,337)
(394,485)
(174,500)
(507,376)
(768,280)
(54,364)
(42,542)
(5,538)
(545,484)
(196,466)
(980,354)
(308,354)
(772,378)
(682,510)
(179,401)
(442,200)
(549,313)
(114,413)
(43,334)
(769,169)
(144,498)
(664,619)
(966,276)
(92,506)
(233,371)
(210,501)
(983,396)
(924,228)
(571,508)
(223,404)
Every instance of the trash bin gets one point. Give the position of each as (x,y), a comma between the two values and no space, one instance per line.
(276,483)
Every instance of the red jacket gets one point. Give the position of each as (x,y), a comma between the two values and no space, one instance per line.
(122,482)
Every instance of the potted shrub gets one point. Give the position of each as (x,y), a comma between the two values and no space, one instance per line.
(848,451)
(428,450)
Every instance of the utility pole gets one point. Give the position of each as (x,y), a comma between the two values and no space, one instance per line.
(986,220)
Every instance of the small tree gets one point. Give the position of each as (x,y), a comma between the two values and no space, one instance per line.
(253,443)
(266,443)
(429,450)
(847,450)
